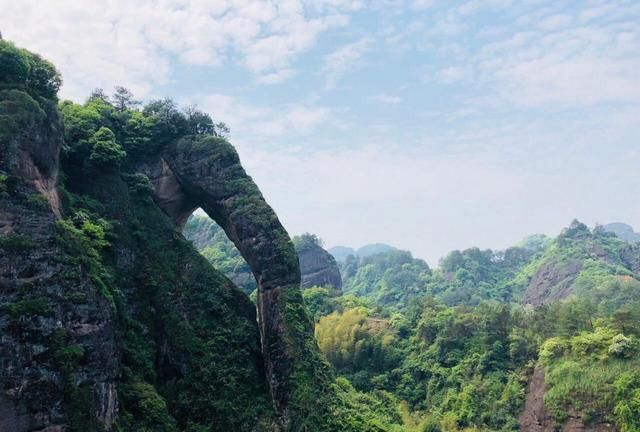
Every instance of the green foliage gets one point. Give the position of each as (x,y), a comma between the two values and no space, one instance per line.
(106,153)
(352,340)
(215,246)
(18,110)
(627,395)
(38,202)
(621,346)
(393,278)
(16,243)
(306,241)
(43,80)
(319,301)
(83,238)
(140,185)
(146,410)
(27,308)
(362,412)
(581,372)
(14,64)
(22,69)
(104,133)
(457,366)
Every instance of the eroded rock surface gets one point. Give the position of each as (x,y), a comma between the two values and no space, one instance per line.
(209,175)
(552,282)
(57,336)
(319,268)
(536,418)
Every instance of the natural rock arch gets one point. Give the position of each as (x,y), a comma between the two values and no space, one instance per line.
(207,174)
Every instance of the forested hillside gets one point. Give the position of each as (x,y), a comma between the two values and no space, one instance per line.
(469,344)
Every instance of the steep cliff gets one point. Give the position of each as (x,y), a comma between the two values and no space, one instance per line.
(576,263)
(58,349)
(110,319)
(317,266)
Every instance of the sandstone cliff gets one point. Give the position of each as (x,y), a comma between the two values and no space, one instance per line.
(110,320)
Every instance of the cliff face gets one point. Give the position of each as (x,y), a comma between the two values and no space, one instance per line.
(319,268)
(577,262)
(58,347)
(207,174)
(110,320)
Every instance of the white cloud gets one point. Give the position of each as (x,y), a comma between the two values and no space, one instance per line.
(422,4)
(453,74)
(277,77)
(555,22)
(386,99)
(344,60)
(135,43)
(500,182)
(258,122)
(574,67)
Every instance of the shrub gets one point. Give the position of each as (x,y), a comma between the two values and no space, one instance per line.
(14,64)
(106,153)
(621,346)
(553,348)
(44,80)
(627,409)
(21,68)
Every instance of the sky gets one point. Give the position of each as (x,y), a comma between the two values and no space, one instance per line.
(429,125)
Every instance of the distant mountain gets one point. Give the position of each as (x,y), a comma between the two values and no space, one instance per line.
(373,249)
(340,253)
(624,231)
(538,270)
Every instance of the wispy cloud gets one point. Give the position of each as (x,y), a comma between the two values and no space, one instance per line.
(136,43)
(277,77)
(386,98)
(250,120)
(343,60)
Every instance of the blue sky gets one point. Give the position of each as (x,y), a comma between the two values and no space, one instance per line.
(426,124)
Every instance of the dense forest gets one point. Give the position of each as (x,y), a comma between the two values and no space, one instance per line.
(455,348)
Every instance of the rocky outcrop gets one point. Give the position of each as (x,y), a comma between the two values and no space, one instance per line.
(553,281)
(319,268)
(57,336)
(630,256)
(208,174)
(536,418)
(109,319)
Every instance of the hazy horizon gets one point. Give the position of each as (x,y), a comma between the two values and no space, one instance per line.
(427,125)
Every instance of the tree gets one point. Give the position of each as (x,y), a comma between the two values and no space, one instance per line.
(123,99)
(98,94)
(200,123)
(306,241)
(14,65)
(44,79)
(106,153)
(30,71)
